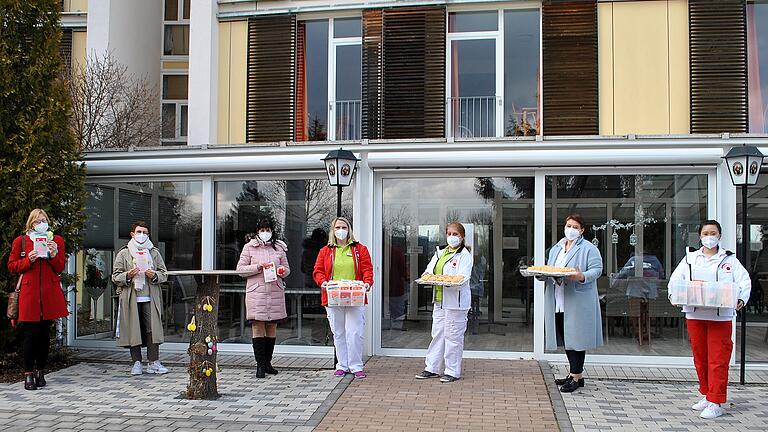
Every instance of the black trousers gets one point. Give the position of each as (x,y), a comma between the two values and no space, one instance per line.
(35,344)
(575,358)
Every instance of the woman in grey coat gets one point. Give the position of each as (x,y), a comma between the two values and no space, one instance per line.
(571,306)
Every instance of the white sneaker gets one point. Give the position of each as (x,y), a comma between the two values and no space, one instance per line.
(700,405)
(712,410)
(156,368)
(136,369)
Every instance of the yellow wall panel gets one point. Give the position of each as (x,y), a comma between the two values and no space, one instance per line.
(605,66)
(176,65)
(238,81)
(223,86)
(641,68)
(679,83)
(79,48)
(76,6)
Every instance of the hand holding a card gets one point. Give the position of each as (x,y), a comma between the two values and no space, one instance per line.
(53,248)
(149,273)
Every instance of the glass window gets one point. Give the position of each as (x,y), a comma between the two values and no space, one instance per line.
(176,40)
(171,10)
(757,48)
(347,27)
(186,9)
(641,224)
(169,120)
(473,88)
(174,212)
(348,92)
(302,210)
(521,72)
(473,21)
(316,78)
(497,214)
(757,306)
(175,86)
(184,120)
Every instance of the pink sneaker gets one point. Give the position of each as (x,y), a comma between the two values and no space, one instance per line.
(339,373)
(360,374)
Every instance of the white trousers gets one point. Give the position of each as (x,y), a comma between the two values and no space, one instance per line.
(348,326)
(447,346)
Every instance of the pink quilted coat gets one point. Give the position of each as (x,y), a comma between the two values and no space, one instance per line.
(264,301)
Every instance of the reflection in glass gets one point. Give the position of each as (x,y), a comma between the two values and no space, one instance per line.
(473,88)
(316,76)
(302,210)
(641,224)
(757,58)
(176,40)
(175,86)
(498,215)
(348,92)
(347,27)
(473,21)
(521,72)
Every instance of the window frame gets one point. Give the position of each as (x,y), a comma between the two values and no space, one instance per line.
(333,44)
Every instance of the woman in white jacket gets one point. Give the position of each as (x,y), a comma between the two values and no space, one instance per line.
(451,304)
(710,329)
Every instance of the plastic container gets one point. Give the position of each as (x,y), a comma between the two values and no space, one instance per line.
(704,294)
(346,293)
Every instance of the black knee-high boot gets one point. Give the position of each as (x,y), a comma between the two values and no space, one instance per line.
(259,353)
(270,349)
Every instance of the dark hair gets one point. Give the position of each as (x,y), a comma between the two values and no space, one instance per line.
(267,223)
(711,222)
(139,224)
(576,218)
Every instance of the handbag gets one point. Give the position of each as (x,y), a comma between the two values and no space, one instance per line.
(13,297)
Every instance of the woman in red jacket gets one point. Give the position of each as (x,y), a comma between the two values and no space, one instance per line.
(41,299)
(345,259)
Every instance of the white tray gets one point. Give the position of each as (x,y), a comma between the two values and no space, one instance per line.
(531,273)
(436,283)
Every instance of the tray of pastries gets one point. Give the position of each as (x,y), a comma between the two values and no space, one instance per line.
(445,280)
(547,270)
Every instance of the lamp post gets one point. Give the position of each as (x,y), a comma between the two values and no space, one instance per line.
(744,163)
(340,166)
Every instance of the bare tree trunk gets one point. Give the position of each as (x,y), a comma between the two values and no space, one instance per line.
(201,385)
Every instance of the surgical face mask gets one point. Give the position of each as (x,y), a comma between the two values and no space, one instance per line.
(571,233)
(454,241)
(265,236)
(710,241)
(341,234)
(41,228)
(141,238)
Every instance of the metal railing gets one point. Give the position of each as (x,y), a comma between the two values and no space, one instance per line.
(473,116)
(348,119)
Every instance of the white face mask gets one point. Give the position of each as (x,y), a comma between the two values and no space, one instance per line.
(710,241)
(265,236)
(571,233)
(341,234)
(141,238)
(41,228)
(454,241)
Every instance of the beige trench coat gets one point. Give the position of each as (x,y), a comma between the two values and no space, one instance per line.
(129,327)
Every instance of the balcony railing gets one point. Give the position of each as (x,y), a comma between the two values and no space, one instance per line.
(473,116)
(348,119)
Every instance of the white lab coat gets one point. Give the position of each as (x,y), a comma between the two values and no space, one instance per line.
(449,318)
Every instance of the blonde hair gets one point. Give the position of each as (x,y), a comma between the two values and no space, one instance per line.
(35,215)
(332,234)
(460,228)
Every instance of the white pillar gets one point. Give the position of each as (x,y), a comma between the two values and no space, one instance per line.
(203,72)
(363,221)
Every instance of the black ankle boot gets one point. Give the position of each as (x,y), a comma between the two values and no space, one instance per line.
(572,386)
(270,349)
(561,381)
(39,378)
(259,347)
(29,381)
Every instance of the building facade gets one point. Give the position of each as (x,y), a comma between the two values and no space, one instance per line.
(506,116)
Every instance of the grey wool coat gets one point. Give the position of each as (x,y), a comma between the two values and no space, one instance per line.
(129,327)
(583,326)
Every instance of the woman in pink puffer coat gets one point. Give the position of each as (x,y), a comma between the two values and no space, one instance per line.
(264,263)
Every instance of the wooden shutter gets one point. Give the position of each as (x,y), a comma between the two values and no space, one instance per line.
(569,78)
(718,59)
(413,74)
(301,82)
(372,73)
(65,51)
(271,86)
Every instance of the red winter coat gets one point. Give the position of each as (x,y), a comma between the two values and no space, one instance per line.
(41,297)
(324,267)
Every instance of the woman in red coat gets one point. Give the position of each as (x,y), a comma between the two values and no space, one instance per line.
(41,299)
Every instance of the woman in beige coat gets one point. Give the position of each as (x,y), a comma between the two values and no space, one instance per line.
(264,263)
(139,317)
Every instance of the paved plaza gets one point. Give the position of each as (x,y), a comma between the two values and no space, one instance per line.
(493,395)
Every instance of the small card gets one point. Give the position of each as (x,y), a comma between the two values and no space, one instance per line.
(142,260)
(41,247)
(270,272)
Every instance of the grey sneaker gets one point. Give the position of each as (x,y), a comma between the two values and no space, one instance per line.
(136,369)
(426,375)
(156,368)
(448,379)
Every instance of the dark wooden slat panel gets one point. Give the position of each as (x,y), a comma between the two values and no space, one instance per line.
(413,102)
(718,66)
(569,78)
(372,73)
(270,110)
(65,51)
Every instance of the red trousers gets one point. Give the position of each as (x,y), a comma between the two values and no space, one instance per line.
(711,345)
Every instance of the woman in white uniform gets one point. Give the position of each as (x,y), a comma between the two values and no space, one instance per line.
(449,311)
(710,329)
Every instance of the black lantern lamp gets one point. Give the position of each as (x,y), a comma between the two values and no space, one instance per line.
(340,166)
